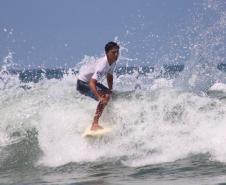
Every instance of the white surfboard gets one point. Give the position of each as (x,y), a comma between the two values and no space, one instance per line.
(96,133)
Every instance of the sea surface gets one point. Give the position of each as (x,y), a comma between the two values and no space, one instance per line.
(162,133)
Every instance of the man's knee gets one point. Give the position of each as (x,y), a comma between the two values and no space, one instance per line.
(107,98)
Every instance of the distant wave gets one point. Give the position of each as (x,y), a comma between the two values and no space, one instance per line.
(35,75)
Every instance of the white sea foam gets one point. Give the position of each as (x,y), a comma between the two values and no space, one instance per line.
(218,87)
(149,126)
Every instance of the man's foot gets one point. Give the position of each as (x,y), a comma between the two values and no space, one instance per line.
(96,127)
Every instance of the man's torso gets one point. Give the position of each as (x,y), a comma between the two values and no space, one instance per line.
(96,70)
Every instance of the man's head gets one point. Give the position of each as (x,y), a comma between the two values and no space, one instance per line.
(112,51)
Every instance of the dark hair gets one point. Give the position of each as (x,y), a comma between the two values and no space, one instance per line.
(111,45)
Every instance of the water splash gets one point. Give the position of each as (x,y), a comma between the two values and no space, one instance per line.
(7,80)
(207,49)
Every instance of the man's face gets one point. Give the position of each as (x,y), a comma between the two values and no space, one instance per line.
(112,55)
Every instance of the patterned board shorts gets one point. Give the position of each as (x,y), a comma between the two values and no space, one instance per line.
(84,89)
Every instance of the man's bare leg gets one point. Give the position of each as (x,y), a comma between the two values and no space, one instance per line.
(99,110)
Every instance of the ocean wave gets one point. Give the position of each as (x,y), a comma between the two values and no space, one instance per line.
(153,125)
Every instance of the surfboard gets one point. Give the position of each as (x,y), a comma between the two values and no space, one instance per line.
(96,133)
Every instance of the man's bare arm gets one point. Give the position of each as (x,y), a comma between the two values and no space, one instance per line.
(93,87)
(110,81)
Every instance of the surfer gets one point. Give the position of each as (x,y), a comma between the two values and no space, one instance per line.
(91,74)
